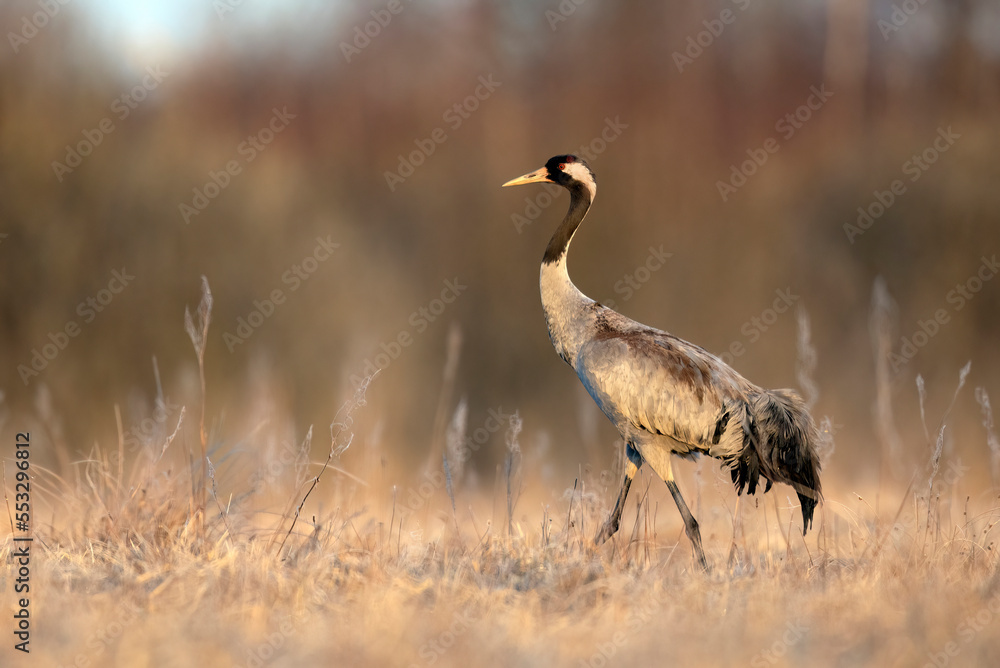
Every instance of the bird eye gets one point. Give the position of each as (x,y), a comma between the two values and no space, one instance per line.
(562,165)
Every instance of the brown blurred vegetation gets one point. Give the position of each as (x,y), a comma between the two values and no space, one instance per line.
(324,175)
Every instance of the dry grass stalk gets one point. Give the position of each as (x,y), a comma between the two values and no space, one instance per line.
(881,323)
(512,463)
(983,399)
(199,339)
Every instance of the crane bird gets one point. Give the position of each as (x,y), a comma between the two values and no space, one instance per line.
(664,395)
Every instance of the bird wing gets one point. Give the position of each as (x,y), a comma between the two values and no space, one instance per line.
(656,382)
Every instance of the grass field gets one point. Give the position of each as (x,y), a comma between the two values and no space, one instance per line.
(335,170)
(152,588)
(150,559)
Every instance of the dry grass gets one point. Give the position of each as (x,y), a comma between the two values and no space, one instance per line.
(171,562)
(130,579)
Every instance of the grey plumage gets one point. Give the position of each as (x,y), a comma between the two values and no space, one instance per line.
(665,395)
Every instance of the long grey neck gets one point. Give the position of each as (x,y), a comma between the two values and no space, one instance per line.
(569,313)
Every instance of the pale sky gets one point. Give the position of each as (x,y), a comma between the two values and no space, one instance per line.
(165,30)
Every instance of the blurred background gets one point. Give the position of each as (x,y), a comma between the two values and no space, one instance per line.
(333,169)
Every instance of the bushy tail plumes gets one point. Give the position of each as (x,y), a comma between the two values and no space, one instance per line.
(780,441)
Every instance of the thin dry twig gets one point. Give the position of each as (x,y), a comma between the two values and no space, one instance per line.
(338,444)
(451,493)
(569,513)
(10,515)
(215,495)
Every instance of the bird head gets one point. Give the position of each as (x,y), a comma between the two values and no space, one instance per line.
(567,171)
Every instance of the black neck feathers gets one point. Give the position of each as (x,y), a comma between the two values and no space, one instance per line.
(579,204)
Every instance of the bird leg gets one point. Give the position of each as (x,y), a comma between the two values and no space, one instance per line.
(611,524)
(690,523)
(659,461)
(632,464)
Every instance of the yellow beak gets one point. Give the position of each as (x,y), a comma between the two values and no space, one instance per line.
(537,176)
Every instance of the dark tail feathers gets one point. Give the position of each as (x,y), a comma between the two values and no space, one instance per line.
(780,445)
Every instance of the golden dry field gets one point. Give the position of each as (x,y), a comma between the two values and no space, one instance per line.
(151,563)
(276,387)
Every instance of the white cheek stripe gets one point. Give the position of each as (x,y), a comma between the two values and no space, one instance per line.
(582,174)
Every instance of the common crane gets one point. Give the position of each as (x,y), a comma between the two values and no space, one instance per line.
(664,395)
